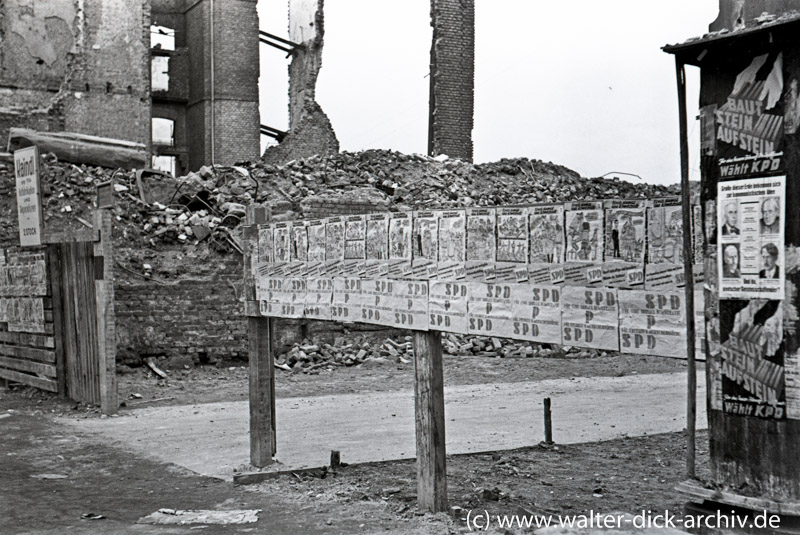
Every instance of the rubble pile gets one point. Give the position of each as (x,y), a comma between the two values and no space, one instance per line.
(309,356)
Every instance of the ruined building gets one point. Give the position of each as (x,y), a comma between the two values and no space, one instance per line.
(178,76)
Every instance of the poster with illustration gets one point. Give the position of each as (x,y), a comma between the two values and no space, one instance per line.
(299,251)
(665,231)
(584,230)
(513,242)
(377,245)
(452,245)
(355,245)
(400,245)
(547,234)
(750,238)
(425,245)
(625,230)
(334,246)
(481,243)
(316,247)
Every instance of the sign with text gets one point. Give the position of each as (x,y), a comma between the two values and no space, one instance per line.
(29,198)
(652,323)
(589,317)
(447,306)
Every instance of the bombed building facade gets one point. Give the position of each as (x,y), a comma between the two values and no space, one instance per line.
(179,77)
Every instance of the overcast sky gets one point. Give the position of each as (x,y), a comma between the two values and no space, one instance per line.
(582,83)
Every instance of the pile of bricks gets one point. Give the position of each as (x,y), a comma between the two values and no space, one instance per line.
(308,357)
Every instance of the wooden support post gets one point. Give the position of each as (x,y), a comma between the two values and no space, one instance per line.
(262,370)
(104,299)
(55,274)
(429,418)
(688,273)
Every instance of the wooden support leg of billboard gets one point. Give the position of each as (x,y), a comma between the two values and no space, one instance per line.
(429,418)
(262,371)
(104,296)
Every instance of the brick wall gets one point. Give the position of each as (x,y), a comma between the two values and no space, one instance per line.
(452,78)
(333,205)
(185,321)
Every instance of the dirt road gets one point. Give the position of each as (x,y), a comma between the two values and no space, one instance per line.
(212,439)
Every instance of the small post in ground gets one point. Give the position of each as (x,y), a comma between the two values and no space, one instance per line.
(548,424)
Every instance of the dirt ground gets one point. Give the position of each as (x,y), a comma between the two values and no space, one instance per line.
(629,474)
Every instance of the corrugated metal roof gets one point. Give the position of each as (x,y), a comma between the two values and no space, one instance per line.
(761,24)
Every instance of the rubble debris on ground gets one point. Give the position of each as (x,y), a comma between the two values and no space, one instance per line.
(310,357)
(181,517)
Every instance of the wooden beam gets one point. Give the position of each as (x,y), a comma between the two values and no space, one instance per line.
(106,328)
(48,370)
(429,418)
(688,272)
(30,380)
(263,437)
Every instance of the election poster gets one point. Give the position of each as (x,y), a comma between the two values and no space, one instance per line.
(536,313)
(452,245)
(447,306)
(670,276)
(750,238)
(584,229)
(319,296)
(481,244)
(699,324)
(697,234)
(410,305)
(400,230)
(347,299)
(628,275)
(265,246)
(377,247)
(316,248)
(489,309)
(378,302)
(590,317)
(299,252)
(652,323)
(583,274)
(26,314)
(513,243)
(334,246)
(545,273)
(425,245)
(625,230)
(665,231)
(547,234)
(355,243)
(282,242)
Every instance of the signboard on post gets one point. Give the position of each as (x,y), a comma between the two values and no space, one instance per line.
(29,199)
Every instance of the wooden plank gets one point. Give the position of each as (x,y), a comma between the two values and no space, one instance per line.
(30,380)
(262,374)
(48,370)
(54,272)
(31,353)
(67,236)
(105,322)
(696,490)
(28,339)
(71,361)
(429,419)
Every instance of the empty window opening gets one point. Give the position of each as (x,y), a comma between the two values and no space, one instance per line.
(163,131)
(164,163)
(162,37)
(159,73)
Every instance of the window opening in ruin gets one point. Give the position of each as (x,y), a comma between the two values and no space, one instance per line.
(159,73)
(162,37)
(164,163)
(163,131)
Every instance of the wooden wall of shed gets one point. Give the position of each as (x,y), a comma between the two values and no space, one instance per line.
(752,455)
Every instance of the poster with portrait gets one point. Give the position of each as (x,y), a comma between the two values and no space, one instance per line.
(452,245)
(400,230)
(750,238)
(513,243)
(665,231)
(625,230)
(425,245)
(355,243)
(546,223)
(377,247)
(481,243)
(584,230)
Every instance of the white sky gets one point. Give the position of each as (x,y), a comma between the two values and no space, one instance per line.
(581,83)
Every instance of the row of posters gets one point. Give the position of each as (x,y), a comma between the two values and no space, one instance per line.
(484,243)
(631,321)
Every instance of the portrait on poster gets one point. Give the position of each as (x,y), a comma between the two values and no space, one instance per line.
(750,238)
(625,230)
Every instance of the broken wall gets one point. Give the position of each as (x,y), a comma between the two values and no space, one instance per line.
(452,78)
(736,14)
(76,66)
(310,130)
